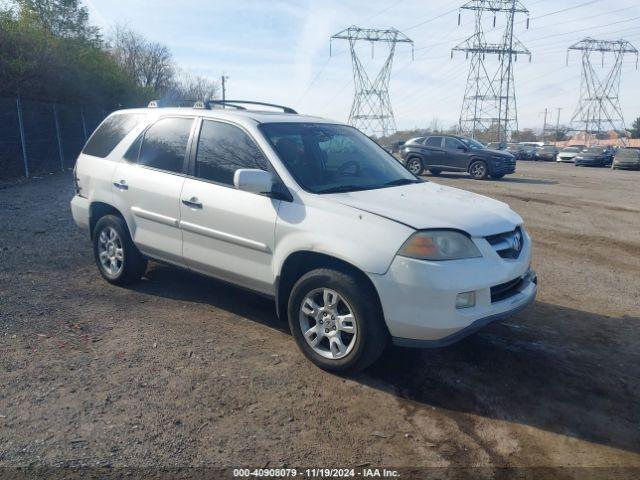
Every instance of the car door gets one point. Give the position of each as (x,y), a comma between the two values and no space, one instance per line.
(227,233)
(434,155)
(147,187)
(456,153)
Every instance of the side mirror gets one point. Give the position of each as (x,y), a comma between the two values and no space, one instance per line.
(253,180)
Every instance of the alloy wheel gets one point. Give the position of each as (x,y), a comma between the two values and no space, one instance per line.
(328,323)
(110,251)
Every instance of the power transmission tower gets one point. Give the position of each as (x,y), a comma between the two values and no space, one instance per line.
(371,111)
(489,103)
(599,109)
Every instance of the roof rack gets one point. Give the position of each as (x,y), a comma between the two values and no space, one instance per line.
(164,103)
(208,104)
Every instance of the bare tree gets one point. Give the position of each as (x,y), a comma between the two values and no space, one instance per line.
(187,86)
(148,64)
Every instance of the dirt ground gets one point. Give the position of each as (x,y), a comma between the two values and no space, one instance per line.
(181,370)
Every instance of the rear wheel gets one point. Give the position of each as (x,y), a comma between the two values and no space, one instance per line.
(336,320)
(118,259)
(414,165)
(478,170)
(435,172)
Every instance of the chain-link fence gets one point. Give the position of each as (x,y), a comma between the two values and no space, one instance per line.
(42,137)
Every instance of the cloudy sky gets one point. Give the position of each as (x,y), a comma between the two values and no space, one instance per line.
(278,50)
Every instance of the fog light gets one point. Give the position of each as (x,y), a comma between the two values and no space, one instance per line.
(466,300)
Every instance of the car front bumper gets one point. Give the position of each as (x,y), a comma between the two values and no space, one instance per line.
(565,159)
(627,165)
(419,297)
(503,168)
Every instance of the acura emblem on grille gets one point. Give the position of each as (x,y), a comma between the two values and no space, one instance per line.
(516,241)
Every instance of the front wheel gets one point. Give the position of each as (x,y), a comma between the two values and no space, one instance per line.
(118,259)
(414,165)
(478,170)
(336,320)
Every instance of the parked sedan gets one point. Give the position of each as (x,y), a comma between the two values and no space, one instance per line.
(530,150)
(627,159)
(568,154)
(547,152)
(517,150)
(593,157)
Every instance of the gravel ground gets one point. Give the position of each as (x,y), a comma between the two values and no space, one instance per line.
(179,370)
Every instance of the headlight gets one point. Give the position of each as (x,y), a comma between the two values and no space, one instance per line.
(439,245)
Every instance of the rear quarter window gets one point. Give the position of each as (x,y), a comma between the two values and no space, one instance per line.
(111,132)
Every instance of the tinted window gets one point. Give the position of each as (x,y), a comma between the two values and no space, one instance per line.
(223,149)
(433,141)
(111,132)
(452,143)
(165,144)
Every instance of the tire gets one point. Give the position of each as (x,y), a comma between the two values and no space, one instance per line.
(414,165)
(110,235)
(478,170)
(435,172)
(497,176)
(370,336)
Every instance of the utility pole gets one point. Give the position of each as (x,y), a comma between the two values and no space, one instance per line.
(224,79)
(489,99)
(557,126)
(544,125)
(371,110)
(599,108)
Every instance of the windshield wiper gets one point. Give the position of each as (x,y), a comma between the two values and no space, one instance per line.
(343,188)
(402,181)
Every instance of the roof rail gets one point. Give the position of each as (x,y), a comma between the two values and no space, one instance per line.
(204,104)
(232,103)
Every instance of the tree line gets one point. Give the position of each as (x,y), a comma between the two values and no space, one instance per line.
(50,51)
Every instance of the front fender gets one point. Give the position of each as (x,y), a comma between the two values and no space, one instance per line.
(362,239)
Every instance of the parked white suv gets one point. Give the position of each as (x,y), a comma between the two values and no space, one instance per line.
(355,250)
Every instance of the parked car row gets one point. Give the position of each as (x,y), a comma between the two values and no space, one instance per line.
(580,155)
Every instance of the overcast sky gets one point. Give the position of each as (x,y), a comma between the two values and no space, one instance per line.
(278,50)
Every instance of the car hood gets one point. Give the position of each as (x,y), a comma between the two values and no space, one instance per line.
(429,205)
(589,156)
(499,153)
(568,154)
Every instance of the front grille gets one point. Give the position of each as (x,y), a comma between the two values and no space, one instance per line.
(506,290)
(507,244)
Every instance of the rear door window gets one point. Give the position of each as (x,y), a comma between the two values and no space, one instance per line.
(164,145)
(451,143)
(433,142)
(111,132)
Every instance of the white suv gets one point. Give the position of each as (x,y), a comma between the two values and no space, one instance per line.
(355,250)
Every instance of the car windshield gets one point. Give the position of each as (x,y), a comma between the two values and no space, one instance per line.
(548,148)
(471,143)
(628,153)
(594,150)
(326,158)
(571,149)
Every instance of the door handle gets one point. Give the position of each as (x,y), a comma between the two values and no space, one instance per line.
(193,203)
(121,185)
